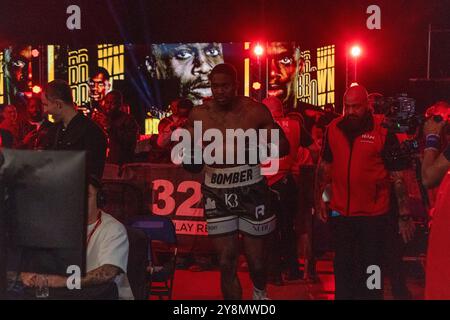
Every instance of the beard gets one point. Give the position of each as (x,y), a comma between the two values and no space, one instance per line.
(354,126)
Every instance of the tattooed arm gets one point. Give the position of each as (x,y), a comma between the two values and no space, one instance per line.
(323,180)
(405,223)
(101,275)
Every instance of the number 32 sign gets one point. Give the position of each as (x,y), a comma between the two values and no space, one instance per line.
(166,199)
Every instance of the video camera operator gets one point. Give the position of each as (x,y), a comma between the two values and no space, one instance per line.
(436,172)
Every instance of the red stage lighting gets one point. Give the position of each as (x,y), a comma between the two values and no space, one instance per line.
(35,53)
(355,51)
(36,89)
(256,85)
(258,50)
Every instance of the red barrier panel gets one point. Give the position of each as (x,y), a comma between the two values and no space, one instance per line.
(171,191)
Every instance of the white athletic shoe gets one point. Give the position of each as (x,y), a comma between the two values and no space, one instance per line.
(259,294)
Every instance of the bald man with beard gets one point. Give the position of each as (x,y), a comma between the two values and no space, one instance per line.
(353,186)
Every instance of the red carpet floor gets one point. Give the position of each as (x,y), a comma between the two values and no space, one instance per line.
(205,285)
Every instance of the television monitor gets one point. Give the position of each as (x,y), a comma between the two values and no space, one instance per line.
(44,209)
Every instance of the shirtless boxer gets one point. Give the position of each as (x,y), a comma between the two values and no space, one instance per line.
(236,195)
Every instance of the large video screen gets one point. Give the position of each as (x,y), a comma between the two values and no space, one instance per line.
(150,76)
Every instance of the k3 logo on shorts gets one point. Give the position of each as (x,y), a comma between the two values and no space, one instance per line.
(259,211)
(231,200)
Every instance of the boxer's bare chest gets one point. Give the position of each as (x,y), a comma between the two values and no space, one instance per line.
(240,118)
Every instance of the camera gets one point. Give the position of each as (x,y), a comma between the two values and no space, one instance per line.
(400,117)
(400,114)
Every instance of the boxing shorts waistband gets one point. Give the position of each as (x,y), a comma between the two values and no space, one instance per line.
(239,176)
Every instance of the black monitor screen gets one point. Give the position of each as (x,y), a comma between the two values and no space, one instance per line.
(46,208)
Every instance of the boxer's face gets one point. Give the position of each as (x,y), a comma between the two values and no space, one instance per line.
(282,66)
(190,63)
(98,87)
(223,88)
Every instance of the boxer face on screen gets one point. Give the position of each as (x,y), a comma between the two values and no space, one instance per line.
(189,63)
(282,66)
(99,86)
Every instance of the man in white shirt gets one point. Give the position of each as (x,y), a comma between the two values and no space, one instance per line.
(106,253)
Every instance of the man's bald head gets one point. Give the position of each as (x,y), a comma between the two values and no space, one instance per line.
(356,101)
(356,95)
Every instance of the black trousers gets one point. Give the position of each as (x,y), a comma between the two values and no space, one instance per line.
(359,242)
(285,206)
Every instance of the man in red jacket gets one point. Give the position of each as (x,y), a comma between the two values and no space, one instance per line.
(357,181)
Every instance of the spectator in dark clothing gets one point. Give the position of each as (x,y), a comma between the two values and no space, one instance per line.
(72,130)
(121,129)
(35,125)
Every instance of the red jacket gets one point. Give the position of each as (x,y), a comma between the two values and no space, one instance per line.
(360,181)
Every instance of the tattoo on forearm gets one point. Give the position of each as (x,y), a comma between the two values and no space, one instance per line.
(401,191)
(100,275)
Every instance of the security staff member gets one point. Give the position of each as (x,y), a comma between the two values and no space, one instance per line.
(357,180)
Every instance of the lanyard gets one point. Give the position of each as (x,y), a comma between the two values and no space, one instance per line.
(97,224)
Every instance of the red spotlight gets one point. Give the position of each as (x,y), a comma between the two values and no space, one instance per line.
(256,85)
(35,53)
(36,89)
(355,51)
(258,50)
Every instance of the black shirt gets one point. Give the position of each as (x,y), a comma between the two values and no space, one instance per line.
(85,135)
